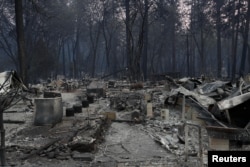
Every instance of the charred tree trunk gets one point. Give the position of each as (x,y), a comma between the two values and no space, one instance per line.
(145,41)
(248,56)
(173,28)
(70,60)
(202,53)
(245,41)
(173,50)
(218,31)
(21,40)
(64,58)
(74,60)
(128,38)
(94,42)
(234,51)
(235,32)
(188,56)
(77,53)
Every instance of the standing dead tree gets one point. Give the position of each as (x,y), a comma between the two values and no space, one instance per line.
(21,39)
(136,37)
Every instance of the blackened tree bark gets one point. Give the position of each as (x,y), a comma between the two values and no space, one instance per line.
(77,34)
(128,37)
(248,56)
(71,67)
(64,58)
(145,41)
(188,56)
(235,31)
(77,52)
(202,53)
(94,39)
(245,40)
(173,35)
(21,40)
(197,13)
(109,33)
(173,50)
(218,32)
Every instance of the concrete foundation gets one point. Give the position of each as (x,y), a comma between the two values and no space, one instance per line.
(48,111)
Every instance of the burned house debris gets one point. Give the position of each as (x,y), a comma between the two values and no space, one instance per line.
(172,122)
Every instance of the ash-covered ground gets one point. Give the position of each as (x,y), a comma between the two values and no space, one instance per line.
(124,125)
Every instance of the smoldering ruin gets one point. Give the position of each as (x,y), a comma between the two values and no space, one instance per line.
(124,83)
(95,122)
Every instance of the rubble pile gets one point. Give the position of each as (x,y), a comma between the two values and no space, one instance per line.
(172,122)
(126,101)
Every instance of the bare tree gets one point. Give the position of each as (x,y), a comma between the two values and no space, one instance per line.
(21,39)
(245,39)
(235,31)
(145,41)
(218,32)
